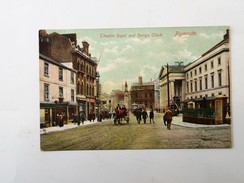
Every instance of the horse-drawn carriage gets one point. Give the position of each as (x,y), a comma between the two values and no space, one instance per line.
(120,115)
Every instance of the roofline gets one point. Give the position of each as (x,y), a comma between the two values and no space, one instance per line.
(191,66)
(47,59)
(85,56)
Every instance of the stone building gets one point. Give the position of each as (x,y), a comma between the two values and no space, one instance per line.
(209,75)
(176,85)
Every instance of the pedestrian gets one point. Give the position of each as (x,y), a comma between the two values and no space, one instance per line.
(168,115)
(138,115)
(151,116)
(61,120)
(144,115)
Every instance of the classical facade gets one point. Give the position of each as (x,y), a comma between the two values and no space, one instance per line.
(142,93)
(209,76)
(201,81)
(176,75)
(57,92)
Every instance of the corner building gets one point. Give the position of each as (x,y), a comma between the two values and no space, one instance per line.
(209,76)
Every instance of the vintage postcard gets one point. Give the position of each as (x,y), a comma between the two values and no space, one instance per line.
(135,88)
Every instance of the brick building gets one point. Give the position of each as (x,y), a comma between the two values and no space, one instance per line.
(142,93)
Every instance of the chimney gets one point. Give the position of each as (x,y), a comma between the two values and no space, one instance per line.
(85,47)
(140,80)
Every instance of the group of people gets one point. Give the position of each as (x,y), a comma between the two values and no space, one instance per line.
(142,114)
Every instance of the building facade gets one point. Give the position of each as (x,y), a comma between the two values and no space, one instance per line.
(176,75)
(64,49)
(142,93)
(57,92)
(209,76)
(86,89)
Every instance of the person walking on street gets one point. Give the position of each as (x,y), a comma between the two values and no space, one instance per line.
(144,115)
(168,115)
(151,116)
(138,115)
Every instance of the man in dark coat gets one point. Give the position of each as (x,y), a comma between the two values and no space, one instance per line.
(144,115)
(151,116)
(168,115)
(138,115)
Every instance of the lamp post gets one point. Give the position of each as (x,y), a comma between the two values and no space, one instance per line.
(98,96)
(168,84)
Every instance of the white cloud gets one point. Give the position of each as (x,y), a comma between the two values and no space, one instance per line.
(186,55)
(108,86)
(159,41)
(108,43)
(204,35)
(180,39)
(113,50)
(139,41)
(128,48)
(113,64)
(212,36)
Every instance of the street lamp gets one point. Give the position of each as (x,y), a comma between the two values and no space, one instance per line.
(98,96)
(168,84)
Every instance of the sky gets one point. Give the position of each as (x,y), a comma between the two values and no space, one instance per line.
(125,54)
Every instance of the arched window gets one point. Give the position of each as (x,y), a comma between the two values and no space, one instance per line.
(82,65)
(87,89)
(92,90)
(78,88)
(82,88)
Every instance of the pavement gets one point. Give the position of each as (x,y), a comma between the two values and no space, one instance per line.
(177,120)
(66,127)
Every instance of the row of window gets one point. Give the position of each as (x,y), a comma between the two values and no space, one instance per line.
(81,89)
(60,73)
(199,70)
(61,93)
(143,95)
(89,69)
(189,85)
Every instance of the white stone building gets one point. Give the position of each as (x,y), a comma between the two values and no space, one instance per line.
(176,75)
(209,75)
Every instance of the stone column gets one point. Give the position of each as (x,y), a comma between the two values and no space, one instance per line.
(172,90)
(67,114)
(183,90)
(50,117)
(220,104)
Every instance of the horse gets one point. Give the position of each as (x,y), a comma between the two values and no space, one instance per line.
(120,113)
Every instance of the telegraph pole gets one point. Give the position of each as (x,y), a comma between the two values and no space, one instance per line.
(168,83)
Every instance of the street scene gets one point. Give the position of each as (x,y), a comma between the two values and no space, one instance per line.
(107,136)
(135,88)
